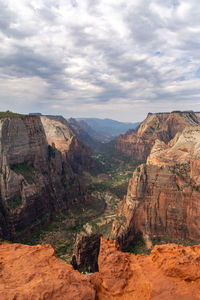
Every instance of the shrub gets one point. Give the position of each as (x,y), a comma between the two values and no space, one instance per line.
(14,202)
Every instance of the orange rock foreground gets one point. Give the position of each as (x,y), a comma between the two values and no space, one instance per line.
(171,272)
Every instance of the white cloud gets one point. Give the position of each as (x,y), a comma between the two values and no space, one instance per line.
(112,57)
(183,10)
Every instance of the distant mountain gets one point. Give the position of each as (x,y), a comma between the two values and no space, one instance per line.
(84,132)
(93,131)
(105,129)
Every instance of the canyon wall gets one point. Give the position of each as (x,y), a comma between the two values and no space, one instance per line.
(38,161)
(84,133)
(85,253)
(76,152)
(163,194)
(163,126)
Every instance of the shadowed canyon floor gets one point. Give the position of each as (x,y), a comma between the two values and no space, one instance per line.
(106,184)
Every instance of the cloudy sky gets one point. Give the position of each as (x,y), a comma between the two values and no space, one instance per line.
(116,59)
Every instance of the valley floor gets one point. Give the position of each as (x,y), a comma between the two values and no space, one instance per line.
(107,185)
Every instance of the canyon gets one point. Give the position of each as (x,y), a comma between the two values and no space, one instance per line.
(51,186)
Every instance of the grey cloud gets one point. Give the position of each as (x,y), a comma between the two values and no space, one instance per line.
(95,60)
(6,17)
(25,62)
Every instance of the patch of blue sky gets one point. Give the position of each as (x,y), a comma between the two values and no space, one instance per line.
(175,3)
(74,3)
(197,74)
(190,75)
(187,76)
(184,60)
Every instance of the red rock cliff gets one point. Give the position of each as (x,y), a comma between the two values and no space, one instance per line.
(163,195)
(162,126)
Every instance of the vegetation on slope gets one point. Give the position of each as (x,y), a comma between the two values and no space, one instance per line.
(25,170)
(62,232)
(9,114)
(107,185)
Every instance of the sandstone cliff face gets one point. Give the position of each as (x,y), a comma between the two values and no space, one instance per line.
(171,272)
(85,254)
(163,195)
(162,126)
(36,178)
(76,152)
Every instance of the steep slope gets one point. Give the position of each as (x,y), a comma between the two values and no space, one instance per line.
(162,126)
(85,254)
(171,272)
(60,135)
(84,133)
(83,140)
(163,195)
(37,178)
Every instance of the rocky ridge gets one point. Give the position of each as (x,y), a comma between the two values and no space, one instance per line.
(34,272)
(171,272)
(162,126)
(163,194)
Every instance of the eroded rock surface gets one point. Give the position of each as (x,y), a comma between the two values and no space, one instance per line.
(171,272)
(120,276)
(162,126)
(34,272)
(59,134)
(163,195)
(38,160)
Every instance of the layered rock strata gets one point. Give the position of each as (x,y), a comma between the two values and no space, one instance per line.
(162,126)
(36,173)
(171,272)
(85,254)
(58,133)
(163,194)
